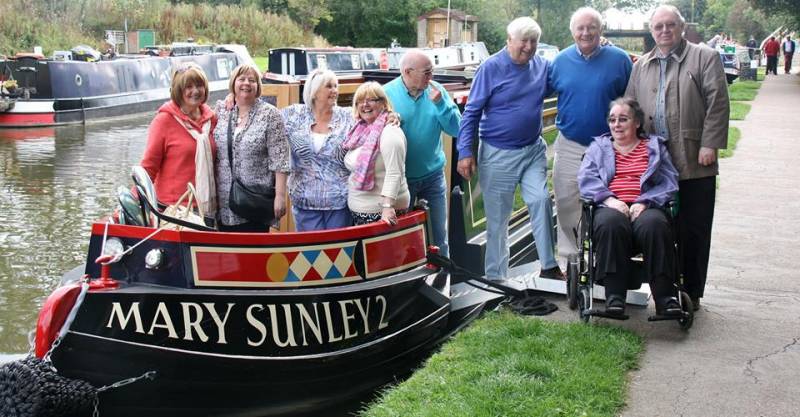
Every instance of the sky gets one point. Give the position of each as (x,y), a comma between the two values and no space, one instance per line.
(616,19)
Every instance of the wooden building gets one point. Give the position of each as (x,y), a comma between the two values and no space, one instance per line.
(432,28)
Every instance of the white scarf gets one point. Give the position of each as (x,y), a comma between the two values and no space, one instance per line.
(203,168)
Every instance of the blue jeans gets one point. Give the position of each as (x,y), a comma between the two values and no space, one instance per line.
(499,171)
(309,220)
(434,189)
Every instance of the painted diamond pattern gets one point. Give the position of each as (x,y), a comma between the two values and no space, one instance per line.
(322,264)
(300,266)
(331,263)
(343,261)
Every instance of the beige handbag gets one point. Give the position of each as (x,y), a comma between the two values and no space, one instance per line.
(183,210)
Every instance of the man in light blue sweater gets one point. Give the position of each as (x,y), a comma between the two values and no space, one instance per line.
(587,77)
(505,110)
(426,111)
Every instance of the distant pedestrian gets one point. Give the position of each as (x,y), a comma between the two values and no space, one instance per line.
(771,49)
(683,92)
(751,47)
(788,47)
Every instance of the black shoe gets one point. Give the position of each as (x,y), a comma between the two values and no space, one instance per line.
(553,273)
(695,303)
(669,307)
(615,305)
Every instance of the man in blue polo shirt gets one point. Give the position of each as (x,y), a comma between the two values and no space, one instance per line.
(426,111)
(504,110)
(587,77)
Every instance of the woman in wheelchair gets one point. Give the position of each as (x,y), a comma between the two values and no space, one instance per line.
(630,177)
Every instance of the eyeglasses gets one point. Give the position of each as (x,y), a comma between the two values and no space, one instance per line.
(621,120)
(372,101)
(658,27)
(427,72)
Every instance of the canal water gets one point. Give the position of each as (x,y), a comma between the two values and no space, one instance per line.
(53,183)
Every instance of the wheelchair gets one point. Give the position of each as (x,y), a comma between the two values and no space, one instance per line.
(582,274)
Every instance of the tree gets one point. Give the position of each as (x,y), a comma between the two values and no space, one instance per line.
(308,13)
(788,10)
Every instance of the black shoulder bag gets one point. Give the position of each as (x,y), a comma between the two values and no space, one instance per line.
(255,205)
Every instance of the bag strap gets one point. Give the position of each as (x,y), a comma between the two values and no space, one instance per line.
(230,142)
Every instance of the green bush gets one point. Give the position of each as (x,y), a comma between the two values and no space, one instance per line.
(53,26)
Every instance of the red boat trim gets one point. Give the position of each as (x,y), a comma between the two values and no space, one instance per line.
(438,311)
(262,239)
(383,252)
(307,265)
(27,119)
(296,266)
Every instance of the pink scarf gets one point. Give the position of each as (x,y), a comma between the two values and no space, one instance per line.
(368,137)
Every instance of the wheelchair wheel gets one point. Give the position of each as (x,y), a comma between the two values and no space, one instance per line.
(688,309)
(572,283)
(583,304)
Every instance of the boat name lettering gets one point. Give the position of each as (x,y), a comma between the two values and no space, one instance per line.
(283,325)
(291,325)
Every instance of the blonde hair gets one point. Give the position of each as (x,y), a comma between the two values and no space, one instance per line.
(370,89)
(314,82)
(241,70)
(187,74)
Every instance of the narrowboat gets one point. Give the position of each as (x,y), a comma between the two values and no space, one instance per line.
(244,324)
(38,91)
(299,62)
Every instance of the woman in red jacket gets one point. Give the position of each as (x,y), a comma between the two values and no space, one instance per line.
(180,148)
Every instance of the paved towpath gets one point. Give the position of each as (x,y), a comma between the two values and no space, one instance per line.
(742,357)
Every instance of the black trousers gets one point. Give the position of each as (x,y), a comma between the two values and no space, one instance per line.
(616,239)
(772,64)
(249,227)
(695,217)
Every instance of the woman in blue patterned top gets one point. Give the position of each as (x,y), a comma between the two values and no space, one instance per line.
(316,130)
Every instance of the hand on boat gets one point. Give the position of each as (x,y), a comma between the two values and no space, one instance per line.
(389,215)
(467,167)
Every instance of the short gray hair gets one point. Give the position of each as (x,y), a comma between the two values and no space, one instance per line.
(586,10)
(524,28)
(670,8)
(315,80)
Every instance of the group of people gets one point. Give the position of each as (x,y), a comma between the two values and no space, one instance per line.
(631,138)
(340,166)
(771,50)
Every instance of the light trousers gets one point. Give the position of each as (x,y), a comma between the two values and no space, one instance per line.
(500,170)
(566,164)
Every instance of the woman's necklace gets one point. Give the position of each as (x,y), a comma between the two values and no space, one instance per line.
(242,116)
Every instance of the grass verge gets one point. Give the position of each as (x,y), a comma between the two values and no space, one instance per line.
(739,110)
(743,90)
(509,365)
(262,62)
(733,138)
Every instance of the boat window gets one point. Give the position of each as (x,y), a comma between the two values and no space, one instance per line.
(284,63)
(222,69)
(355,61)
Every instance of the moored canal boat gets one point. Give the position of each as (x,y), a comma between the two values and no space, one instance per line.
(250,324)
(48,92)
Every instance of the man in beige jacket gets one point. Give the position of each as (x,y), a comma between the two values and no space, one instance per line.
(682,89)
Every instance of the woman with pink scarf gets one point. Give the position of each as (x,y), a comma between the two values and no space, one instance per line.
(376,155)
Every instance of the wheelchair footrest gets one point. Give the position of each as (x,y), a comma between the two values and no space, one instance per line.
(661,317)
(602,313)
